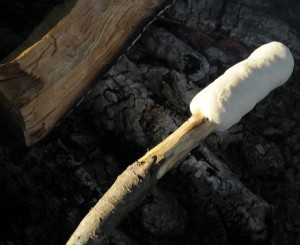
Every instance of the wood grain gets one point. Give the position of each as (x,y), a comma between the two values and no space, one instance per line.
(43,82)
(134,183)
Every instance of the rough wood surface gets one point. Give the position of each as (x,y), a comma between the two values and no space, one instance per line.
(210,174)
(241,187)
(136,181)
(67,59)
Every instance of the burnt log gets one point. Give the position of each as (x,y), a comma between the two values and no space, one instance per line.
(241,187)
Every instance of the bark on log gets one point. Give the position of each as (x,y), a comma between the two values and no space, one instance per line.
(55,71)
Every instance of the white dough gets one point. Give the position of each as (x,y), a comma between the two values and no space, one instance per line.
(236,92)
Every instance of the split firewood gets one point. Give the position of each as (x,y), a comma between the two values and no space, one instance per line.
(40,85)
(216,108)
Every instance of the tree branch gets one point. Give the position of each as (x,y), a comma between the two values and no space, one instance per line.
(132,185)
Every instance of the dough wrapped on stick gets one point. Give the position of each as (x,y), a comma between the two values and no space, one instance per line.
(216,108)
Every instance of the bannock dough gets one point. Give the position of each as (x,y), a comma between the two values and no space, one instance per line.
(236,92)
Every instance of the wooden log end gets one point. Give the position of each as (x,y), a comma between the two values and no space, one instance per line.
(10,124)
(17,89)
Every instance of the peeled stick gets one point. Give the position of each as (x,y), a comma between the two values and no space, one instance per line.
(217,107)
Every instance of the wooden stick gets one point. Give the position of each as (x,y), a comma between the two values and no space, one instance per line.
(40,85)
(224,102)
(134,183)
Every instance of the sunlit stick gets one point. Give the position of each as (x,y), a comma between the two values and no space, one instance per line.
(217,107)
